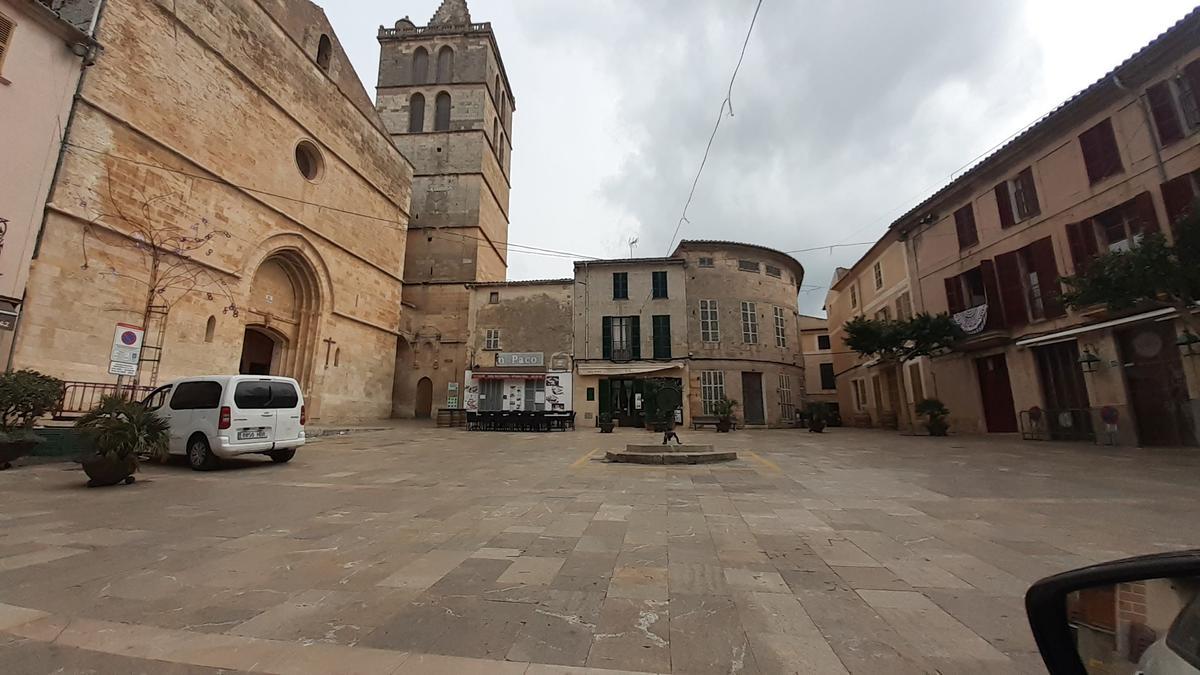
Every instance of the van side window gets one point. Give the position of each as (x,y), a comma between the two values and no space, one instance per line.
(284,395)
(252,395)
(157,399)
(197,396)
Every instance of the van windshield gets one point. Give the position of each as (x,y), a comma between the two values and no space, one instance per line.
(261,395)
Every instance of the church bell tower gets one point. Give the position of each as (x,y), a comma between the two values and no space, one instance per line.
(445,99)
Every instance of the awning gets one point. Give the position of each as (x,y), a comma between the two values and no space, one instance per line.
(1070,333)
(625,368)
(508,373)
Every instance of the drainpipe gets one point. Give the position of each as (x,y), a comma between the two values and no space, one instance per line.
(1146,116)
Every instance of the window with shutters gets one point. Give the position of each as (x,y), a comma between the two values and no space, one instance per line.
(441,113)
(748,266)
(416,114)
(974,288)
(828,378)
(7,28)
(662,336)
(904,307)
(773,271)
(712,389)
(786,408)
(1101,157)
(823,342)
(620,285)
(1117,229)
(1175,104)
(1029,284)
(1180,195)
(780,327)
(860,394)
(658,284)
(749,323)
(964,226)
(878,272)
(1017,199)
(445,65)
(706,262)
(420,66)
(622,338)
(491,340)
(710,330)
(853,296)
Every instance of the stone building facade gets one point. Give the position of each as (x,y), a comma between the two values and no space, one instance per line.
(716,319)
(447,104)
(520,346)
(42,54)
(820,380)
(1116,162)
(233,142)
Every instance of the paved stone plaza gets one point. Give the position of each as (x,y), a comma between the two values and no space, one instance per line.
(417,550)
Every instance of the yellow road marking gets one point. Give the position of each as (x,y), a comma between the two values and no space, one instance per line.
(580,462)
(765,462)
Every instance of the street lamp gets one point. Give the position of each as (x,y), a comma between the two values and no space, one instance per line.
(1088,361)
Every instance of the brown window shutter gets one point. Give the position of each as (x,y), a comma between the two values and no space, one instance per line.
(964,225)
(1101,157)
(1012,291)
(1143,205)
(1078,237)
(6,33)
(1005,204)
(1166,119)
(954,299)
(991,289)
(1029,189)
(1191,72)
(1178,197)
(1046,267)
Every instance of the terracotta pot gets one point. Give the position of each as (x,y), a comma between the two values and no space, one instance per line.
(103,470)
(15,450)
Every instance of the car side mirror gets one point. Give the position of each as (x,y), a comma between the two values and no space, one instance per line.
(1137,616)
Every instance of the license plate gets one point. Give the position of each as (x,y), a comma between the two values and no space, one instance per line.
(251,434)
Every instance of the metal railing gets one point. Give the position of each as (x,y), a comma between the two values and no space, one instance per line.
(435,30)
(80,398)
(1069,424)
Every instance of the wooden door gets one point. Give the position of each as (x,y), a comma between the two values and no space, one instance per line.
(1155,383)
(424,407)
(752,392)
(999,411)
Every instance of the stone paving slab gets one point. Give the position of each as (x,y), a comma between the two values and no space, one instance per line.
(419,550)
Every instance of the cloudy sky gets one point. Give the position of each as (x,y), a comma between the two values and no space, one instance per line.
(846,113)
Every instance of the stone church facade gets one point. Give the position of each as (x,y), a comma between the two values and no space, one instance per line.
(232,144)
(445,99)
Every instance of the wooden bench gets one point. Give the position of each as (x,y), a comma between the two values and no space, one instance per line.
(708,420)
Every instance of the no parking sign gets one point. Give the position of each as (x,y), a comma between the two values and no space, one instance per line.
(126,349)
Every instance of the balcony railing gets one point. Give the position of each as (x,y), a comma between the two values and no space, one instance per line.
(80,398)
(622,354)
(485,27)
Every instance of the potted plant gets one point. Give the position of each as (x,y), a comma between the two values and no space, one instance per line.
(25,395)
(120,431)
(606,423)
(723,409)
(935,413)
(818,416)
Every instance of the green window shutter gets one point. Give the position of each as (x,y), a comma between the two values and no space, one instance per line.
(635,336)
(606,336)
(605,397)
(662,336)
(659,284)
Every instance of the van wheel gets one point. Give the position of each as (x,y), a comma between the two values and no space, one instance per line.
(282,456)
(200,456)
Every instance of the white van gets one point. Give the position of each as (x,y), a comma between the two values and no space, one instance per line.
(230,415)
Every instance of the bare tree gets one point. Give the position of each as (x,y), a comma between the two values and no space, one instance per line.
(171,245)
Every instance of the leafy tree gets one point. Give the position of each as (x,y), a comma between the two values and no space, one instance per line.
(26,395)
(895,342)
(1150,272)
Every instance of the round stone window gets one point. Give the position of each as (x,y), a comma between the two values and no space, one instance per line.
(309,161)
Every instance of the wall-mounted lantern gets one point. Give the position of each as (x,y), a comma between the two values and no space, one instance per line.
(1088,360)
(1189,342)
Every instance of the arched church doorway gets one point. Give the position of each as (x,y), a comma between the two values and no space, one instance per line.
(260,352)
(424,408)
(281,318)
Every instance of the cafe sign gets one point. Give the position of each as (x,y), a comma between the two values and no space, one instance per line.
(509,359)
